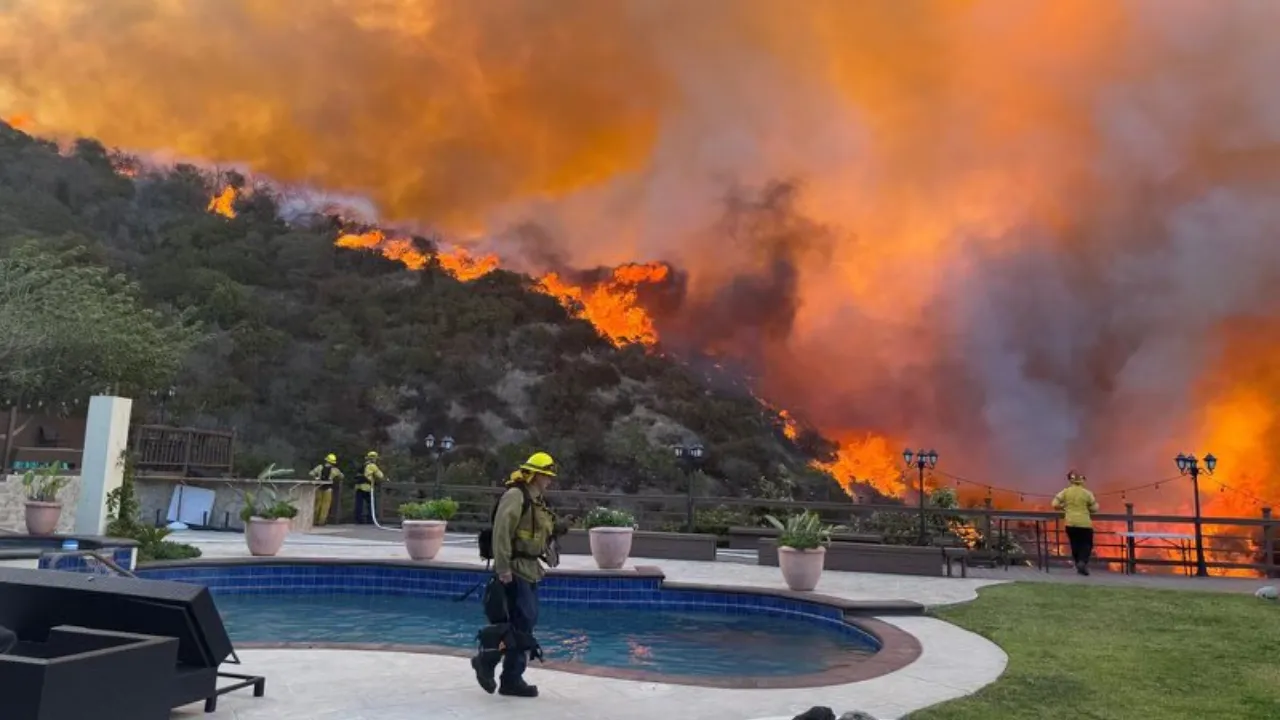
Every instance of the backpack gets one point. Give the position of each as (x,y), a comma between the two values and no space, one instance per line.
(485,538)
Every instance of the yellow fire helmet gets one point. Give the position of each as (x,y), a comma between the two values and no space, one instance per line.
(540,463)
(371,455)
(331,459)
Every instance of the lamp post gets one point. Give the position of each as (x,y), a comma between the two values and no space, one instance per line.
(921,459)
(689,458)
(1188,464)
(438,448)
(163,397)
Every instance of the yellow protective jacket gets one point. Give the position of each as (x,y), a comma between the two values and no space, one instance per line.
(519,538)
(335,475)
(371,475)
(1077,505)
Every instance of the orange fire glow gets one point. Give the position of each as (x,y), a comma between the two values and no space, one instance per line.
(1023,230)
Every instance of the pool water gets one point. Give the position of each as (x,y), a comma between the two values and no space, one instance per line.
(675,643)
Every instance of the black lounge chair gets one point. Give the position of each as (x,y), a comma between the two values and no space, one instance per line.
(33,602)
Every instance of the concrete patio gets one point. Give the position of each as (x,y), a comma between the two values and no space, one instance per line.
(358,685)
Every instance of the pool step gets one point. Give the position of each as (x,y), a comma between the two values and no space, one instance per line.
(867,608)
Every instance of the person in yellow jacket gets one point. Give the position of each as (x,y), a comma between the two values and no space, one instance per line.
(523,531)
(1078,505)
(364,488)
(326,472)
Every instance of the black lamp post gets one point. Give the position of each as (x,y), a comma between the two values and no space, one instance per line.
(921,459)
(438,448)
(689,458)
(163,397)
(1188,464)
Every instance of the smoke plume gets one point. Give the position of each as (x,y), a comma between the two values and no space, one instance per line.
(1031,233)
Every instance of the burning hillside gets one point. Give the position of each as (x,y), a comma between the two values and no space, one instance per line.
(1024,233)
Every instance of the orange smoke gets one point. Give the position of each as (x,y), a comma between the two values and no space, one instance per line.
(1021,230)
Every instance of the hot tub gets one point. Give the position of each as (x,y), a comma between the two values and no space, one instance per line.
(46,552)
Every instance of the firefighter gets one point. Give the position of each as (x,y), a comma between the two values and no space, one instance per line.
(364,489)
(328,473)
(524,530)
(1078,505)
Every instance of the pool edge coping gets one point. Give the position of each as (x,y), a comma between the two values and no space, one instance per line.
(898,648)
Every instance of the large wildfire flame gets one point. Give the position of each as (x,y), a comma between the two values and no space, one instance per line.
(1033,234)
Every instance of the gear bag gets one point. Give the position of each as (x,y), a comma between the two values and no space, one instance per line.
(485,538)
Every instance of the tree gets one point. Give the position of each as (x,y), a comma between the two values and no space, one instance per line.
(74,328)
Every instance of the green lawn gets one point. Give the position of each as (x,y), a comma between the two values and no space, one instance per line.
(1078,652)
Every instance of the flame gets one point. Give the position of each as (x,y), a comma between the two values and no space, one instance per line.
(612,305)
(872,459)
(224,203)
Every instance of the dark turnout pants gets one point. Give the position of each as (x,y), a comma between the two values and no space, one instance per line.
(364,507)
(522,613)
(1081,539)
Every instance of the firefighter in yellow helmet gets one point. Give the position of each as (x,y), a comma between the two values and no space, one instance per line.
(328,473)
(523,537)
(364,488)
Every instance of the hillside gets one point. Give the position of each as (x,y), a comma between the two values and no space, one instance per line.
(308,347)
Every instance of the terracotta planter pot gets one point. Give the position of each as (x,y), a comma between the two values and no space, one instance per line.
(265,537)
(610,546)
(424,538)
(42,517)
(801,568)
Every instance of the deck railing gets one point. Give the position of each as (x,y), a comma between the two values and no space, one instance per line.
(183,452)
(1233,545)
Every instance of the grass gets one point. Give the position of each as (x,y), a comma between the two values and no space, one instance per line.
(1095,653)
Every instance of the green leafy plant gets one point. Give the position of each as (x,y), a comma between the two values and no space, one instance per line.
(442,509)
(153,546)
(608,517)
(803,531)
(265,502)
(43,484)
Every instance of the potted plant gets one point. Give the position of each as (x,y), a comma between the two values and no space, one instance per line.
(42,509)
(266,515)
(610,532)
(424,525)
(802,548)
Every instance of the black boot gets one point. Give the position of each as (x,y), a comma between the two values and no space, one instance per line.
(485,663)
(518,688)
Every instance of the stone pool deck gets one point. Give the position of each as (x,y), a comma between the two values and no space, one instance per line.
(359,685)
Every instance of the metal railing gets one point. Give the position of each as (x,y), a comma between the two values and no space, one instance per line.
(1232,544)
(183,451)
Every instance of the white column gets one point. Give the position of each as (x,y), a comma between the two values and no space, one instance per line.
(106,438)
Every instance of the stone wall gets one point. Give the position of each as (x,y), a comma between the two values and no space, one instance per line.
(154,495)
(13,498)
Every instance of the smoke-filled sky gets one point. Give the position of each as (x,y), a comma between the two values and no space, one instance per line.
(1033,234)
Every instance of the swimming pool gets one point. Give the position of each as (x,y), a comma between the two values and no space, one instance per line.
(662,641)
(624,624)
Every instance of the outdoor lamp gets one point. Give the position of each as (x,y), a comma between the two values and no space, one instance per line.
(1210,462)
(696,452)
(679,451)
(429,441)
(907,455)
(933,458)
(1182,461)
(446,443)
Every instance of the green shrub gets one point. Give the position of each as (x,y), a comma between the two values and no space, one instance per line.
(608,517)
(442,509)
(266,502)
